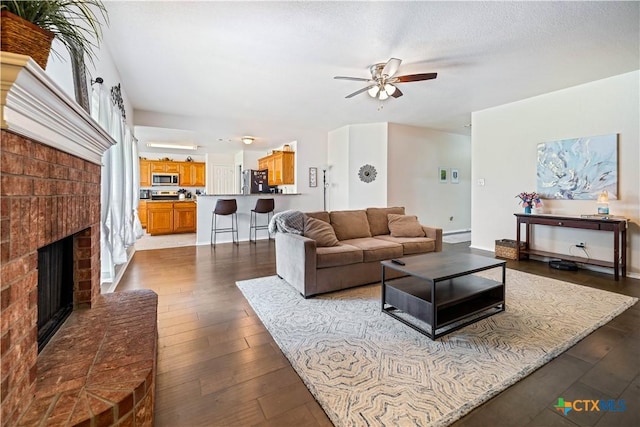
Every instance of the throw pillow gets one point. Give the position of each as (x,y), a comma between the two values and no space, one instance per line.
(320,231)
(350,224)
(405,226)
(378,221)
(322,215)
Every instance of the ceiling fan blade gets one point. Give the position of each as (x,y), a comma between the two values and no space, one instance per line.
(391,67)
(364,89)
(358,79)
(414,77)
(397,93)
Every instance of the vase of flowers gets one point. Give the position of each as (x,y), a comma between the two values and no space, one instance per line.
(529,200)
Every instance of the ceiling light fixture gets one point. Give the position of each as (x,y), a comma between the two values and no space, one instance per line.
(382,91)
(389,88)
(172,145)
(248,139)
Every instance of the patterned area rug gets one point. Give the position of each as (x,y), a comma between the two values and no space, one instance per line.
(366,368)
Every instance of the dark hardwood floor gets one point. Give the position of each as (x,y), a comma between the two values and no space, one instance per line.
(218,366)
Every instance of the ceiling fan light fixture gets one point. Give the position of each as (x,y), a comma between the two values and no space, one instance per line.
(383,77)
(248,139)
(389,88)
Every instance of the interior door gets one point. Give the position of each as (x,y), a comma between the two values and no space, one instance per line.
(224,180)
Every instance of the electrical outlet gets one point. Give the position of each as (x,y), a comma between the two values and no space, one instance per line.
(581,245)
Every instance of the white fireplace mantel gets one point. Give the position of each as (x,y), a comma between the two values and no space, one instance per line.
(34,106)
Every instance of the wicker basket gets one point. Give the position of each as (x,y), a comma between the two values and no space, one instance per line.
(21,36)
(506,248)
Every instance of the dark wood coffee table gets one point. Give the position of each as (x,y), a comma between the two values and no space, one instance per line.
(441,291)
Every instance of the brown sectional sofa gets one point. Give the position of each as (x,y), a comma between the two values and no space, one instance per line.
(352,257)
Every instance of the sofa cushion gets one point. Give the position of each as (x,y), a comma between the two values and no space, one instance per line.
(412,245)
(350,224)
(405,226)
(320,231)
(376,249)
(378,221)
(333,256)
(321,215)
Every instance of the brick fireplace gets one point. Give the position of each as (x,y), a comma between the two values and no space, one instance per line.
(99,368)
(46,195)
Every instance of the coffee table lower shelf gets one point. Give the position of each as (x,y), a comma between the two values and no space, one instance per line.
(458,302)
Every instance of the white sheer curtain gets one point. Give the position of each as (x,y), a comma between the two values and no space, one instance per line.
(120,225)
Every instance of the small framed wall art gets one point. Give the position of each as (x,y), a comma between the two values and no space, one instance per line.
(442,174)
(455,179)
(313,177)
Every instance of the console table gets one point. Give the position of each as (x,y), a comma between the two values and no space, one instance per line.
(616,225)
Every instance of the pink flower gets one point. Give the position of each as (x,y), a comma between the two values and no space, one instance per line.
(530,199)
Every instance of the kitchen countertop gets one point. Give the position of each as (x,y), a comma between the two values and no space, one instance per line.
(252,194)
(245,203)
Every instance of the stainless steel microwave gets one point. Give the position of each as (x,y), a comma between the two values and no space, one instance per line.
(165,179)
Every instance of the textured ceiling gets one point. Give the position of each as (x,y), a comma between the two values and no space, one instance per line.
(266,68)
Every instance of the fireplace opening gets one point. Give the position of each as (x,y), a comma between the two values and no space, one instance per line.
(55,288)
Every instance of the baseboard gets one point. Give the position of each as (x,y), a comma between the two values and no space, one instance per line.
(106,287)
(446,233)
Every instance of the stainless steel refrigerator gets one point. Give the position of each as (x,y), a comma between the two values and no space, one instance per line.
(256,181)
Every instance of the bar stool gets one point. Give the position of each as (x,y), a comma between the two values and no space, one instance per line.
(225,207)
(263,206)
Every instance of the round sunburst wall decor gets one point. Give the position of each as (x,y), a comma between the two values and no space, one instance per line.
(367,173)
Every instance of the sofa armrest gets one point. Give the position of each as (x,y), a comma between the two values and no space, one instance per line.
(436,234)
(296,261)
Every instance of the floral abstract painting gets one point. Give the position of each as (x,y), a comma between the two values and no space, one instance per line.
(578,169)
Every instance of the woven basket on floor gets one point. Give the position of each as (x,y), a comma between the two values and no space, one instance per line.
(21,36)
(506,248)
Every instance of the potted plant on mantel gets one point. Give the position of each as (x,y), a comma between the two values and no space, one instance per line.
(29,27)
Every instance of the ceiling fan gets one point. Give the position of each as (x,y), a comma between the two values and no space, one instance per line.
(382,83)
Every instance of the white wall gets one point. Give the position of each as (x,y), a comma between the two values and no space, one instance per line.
(59,68)
(367,146)
(311,151)
(414,156)
(406,159)
(337,169)
(504,155)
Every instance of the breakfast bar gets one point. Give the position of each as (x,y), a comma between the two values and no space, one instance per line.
(245,202)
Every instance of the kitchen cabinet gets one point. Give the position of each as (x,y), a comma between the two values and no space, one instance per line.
(145,173)
(158,166)
(171,217)
(192,174)
(184,217)
(281,166)
(160,218)
(165,166)
(172,167)
(142,213)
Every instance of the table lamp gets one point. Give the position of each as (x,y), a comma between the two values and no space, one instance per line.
(603,203)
